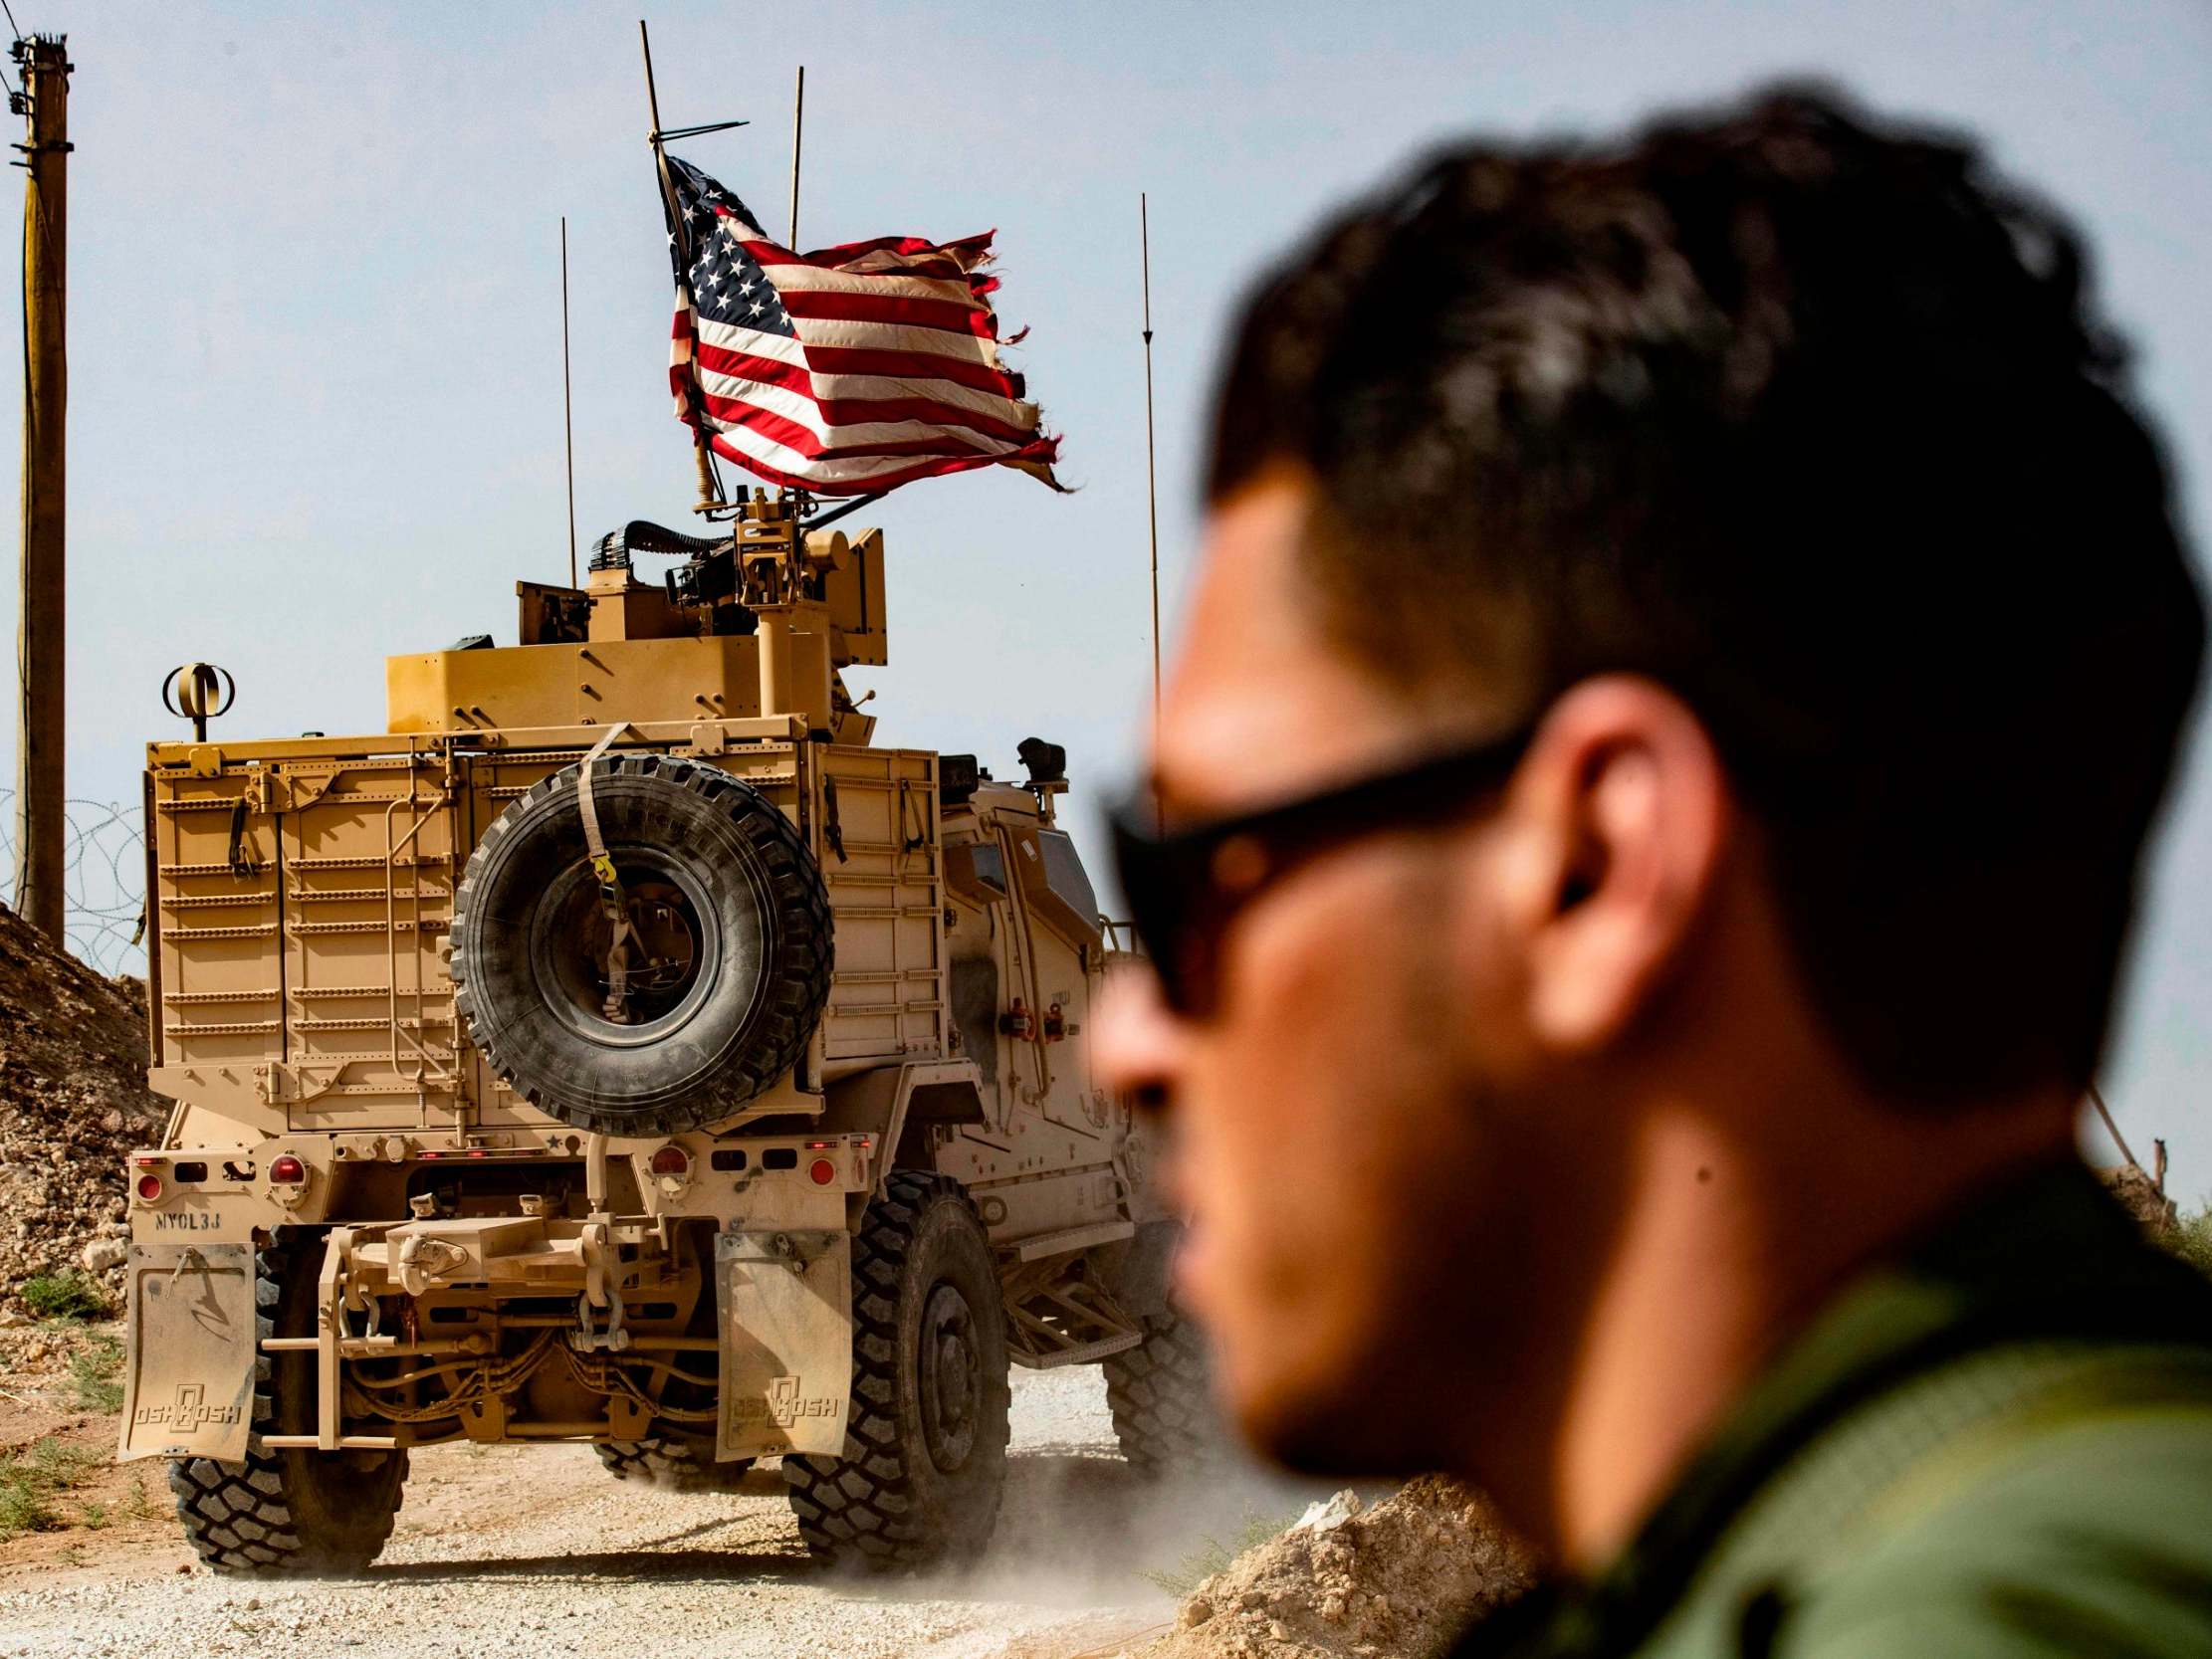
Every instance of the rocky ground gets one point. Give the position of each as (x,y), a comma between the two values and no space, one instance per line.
(536,1551)
(72,1104)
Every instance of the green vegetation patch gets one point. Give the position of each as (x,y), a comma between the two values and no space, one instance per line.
(65,1296)
(31,1481)
(1213,1554)
(2192,1240)
(93,1369)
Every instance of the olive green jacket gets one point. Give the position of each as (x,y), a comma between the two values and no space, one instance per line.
(1998,1444)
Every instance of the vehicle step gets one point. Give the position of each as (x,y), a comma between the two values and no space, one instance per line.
(1070,1239)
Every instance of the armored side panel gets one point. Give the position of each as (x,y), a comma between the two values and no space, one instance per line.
(1027,956)
(854,593)
(880,856)
(302,905)
(305,890)
(692,679)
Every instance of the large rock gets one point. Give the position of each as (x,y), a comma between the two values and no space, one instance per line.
(105,1253)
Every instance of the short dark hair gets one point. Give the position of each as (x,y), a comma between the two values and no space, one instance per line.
(1808,416)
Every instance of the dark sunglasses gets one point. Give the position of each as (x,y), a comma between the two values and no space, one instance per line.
(1184,885)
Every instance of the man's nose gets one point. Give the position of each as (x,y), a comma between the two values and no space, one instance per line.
(1136,1043)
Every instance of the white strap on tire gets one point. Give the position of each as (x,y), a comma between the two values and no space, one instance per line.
(601,866)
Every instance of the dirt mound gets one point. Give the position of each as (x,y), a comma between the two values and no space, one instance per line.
(73,1102)
(1399,1577)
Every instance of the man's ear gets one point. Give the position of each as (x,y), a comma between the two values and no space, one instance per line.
(1622,814)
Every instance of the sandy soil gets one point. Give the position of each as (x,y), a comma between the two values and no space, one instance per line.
(538,1552)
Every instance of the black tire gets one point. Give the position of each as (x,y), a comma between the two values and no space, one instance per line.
(289,1511)
(1161,1396)
(925,1459)
(727,1012)
(679,1465)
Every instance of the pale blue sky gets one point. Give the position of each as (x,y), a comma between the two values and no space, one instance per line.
(315,333)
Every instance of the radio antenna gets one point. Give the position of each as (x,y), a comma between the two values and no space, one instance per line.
(568,403)
(1152,487)
(798,131)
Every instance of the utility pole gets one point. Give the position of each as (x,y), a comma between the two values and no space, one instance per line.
(1152,487)
(41,820)
(1151,479)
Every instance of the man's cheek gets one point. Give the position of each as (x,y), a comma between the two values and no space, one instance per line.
(1281,1101)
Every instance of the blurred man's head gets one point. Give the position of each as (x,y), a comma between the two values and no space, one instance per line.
(1768,487)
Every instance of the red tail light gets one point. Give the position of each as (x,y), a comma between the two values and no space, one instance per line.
(288,1172)
(671,1160)
(149,1187)
(823,1172)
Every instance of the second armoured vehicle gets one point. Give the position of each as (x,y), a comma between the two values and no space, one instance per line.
(622,1049)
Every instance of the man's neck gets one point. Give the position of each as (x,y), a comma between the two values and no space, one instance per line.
(1730,1243)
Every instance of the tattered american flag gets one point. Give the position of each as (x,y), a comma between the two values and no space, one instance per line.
(846,370)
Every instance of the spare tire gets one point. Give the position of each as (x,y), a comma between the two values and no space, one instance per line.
(728,973)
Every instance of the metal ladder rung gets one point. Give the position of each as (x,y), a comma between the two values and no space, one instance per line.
(217,900)
(364,894)
(406,862)
(428,925)
(326,993)
(364,1024)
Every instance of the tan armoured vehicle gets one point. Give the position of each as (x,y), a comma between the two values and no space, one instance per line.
(620,1049)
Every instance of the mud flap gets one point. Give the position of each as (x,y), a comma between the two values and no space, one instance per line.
(784,1302)
(188,1387)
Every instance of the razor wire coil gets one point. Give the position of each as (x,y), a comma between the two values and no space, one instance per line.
(104,882)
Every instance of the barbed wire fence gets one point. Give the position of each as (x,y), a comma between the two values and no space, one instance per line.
(104,882)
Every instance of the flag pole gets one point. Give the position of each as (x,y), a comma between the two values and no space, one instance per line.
(1152,487)
(798,130)
(802,501)
(568,403)
(709,497)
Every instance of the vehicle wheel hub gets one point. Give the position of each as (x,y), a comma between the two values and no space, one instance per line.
(951,1378)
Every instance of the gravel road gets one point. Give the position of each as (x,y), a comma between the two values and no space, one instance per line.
(536,1551)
